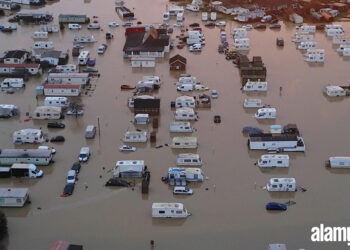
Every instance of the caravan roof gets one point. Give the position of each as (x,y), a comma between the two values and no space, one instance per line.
(167,205)
(13,192)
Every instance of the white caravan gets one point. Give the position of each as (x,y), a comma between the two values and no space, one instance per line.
(84,39)
(180,17)
(339,162)
(281,185)
(185,87)
(185,102)
(187,80)
(204,16)
(68,68)
(255,86)
(155,79)
(346,52)
(184,142)
(273,160)
(132,99)
(28,135)
(181,127)
(253,103)
(169,210)
(129,168)
(185,114)
(335,32)
(56,102)
(342,47)
(189,174)
(303,38)
(341,40)
(333,91)
(40,35)
(307,45)
(141,119)
(188,160)
(135,136)
(84,57)
(45,113)
(192,7)
(241,44)
(213,16)
(306,28)
(239,33)
(265,113)
(279,143)
(43,45)
(12,83)
(315,58)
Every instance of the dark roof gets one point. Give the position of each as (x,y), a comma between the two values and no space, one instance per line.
(262,138)
(52,53)
(154,42)
(133,40)
(16,54)
(177,58)
(147,103)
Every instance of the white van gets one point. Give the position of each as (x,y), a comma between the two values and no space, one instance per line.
(84,57)
(93,26)
(185,87)
(84,154)
(266,113)
(56,102)
(90,132)
(12,83)
(338,162)
(266,19)
(273,160)
(74,26)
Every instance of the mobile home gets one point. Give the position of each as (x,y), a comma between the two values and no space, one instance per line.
(213,16)
(181,127)
(169,210)
(135,136)
(255,86)
(266,113)
(341,40)
(69,68)
(192,7)
(180,17)
(204,16)
(155,79)
(273,160)
(189,174)
(307,28)
(47,112)
(71,78)
(184,142)
(307,45)
(8,110)
(185,102)
(346,52)
(35,156)
(12,83)
(241,44)
(129,169)
(141,119)
(333,91)
(56,102)
(338,162)
(303,38)
(185,114)
(188,160)
(28,135)
(271,142)
(62,89)
(253,103)
(43,45)
(174,10)
(335,32)
(83,57)
(281,185)
(13,197)
(342,47)
(40,35)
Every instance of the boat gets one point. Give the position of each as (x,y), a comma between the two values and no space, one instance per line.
(84,39)
(125,86)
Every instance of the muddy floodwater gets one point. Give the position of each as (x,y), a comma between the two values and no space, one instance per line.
(228,208)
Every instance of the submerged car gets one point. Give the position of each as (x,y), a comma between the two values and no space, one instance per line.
(214,94)
(58,138)
(76,166)
(209,25)
(118,182)
(127,24)
(221,23)
(276,206)
(127,148)
(179,25)
(249,130)
(71,177)
(113,24)
(182,190)
(68,189)
(55,125)
(88,70)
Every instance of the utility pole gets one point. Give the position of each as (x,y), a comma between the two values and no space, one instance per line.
(98,125)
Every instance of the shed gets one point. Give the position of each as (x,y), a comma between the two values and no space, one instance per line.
(147,106)
(177,62)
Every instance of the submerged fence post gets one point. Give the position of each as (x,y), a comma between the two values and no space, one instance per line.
(98,125)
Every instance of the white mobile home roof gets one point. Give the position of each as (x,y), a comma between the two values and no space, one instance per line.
(185,139)
(167,205)
(15,153)
(13,192)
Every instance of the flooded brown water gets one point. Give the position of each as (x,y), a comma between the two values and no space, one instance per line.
(231,213)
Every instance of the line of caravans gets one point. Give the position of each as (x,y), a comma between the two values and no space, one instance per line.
(34,156)
(277,143)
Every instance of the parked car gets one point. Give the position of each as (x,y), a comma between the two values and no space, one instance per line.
(209,25)
(90,70)
(91,62)
(221,23)
(117,182)
(260,26)
(127,148)
(113,24)
(252,130)
(128,24)
(182,190)
(68,189)
(101,49)
(71,177)
(84,154)
(76,166)
(194,25)
(55,125)
(58,138)
(217,119)
(275,26)
(276,206)
(75,112)
(53,150)
(179,25)
(214,94)
(170,30)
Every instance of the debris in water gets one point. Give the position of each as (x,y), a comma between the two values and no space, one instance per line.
(160,146)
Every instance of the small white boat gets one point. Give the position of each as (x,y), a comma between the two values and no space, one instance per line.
(84,39)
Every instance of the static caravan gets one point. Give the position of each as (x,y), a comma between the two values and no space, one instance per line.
(266,113)
(184,142)
(307,45)
(155,79)
(241,44)
(253,103)
(333,26)
(56,102)
(346,52)
(135,136)
(189,174)
(185,102)
(307,28)
(12,83)
(143,62)
(314,52)
(188,160)
(69,68)
(204,16)
(129,169)
(84,39)
(62,89)
(40,35)
(338,162)
(341,40)
(71,78)
(333,91)
(28,135)
(141,119)
(43,45)
(180,17)
(269,142)
(47,112)
(181,127)
(187,80)
(273,160)
(34,156)
(276,129)
(239,33)
(13,197)
(303,38)
(281,185)
(84,57)
(335,32)
(315,58)
(8,110)
(185,114)
(255,86)
(342,47)
(174,10)
(213,16)
(192,7)
(169,210)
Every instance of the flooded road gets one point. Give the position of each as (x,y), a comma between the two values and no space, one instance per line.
(228,209)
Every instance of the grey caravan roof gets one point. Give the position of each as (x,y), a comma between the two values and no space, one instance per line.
(274,138)
(13,192)
(15,153)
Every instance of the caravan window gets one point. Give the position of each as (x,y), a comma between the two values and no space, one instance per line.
(279,162)
(162,212)
(281,185)
(290,186)
(177,143)
(37,115)
(179,212)
(187,160)
(274,186)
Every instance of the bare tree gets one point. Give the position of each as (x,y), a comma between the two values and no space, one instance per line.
(75,107)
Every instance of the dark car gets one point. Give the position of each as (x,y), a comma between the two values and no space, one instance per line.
(210,25)
(118,182)
(55,125)
(68,189)
(170,30)
(252,130)
(58,138)
(260,26)
(217,119)
(274,21)
(276,206)
(76,166)
(89,70)
(194,25)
